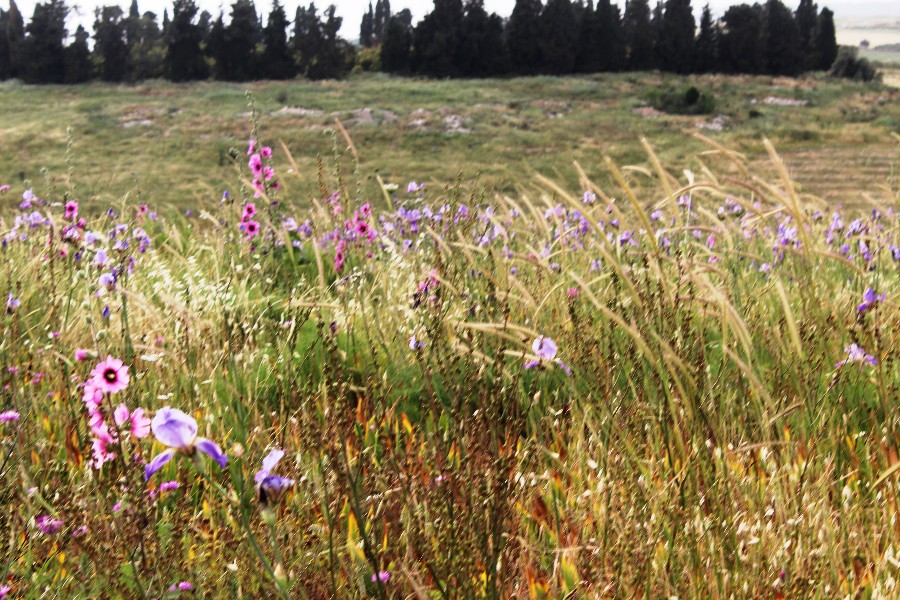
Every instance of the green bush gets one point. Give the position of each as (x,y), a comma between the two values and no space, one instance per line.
(849,65)
(682,100)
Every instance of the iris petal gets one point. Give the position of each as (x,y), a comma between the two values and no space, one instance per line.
(157,463)
(174,428)
(212,450)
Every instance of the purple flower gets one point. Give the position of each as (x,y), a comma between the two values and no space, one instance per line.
(271,487)
(381,576)
(178,431)
(855,354)
(181,586)
(870,299)
(9,415)
(12,303)
(47,524)
(168,486)
(545,348)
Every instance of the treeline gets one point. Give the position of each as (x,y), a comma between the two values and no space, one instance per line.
(458,38)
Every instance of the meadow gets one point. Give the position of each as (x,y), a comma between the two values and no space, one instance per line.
(663,366)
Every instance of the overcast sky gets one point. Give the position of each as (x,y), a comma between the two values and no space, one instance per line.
(352,10)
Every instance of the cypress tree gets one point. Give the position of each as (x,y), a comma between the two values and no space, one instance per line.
(110,46)
(781,40)
(436,40)
(215,46)
(395,49)
(706,57)
(589,57)
(43,45)
(740,40)
(78,58)
(612,36)
(676,37)
(165,22)
(523,32)
(480,52)
(147,50)
(826,42)
(184,59)
(241,38)
(639,35)
(330,57)
(805,16)
(367,28)
(558,44)
(277,60)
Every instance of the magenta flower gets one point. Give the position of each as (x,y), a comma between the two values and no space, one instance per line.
(251,228)
(140,424)
(178,431)
(110,376)
(855,354)
(255,163)
(870,299)
(271,487)
(381,576)
(71,210)
(251,147)
(266,152)
(47,524)
(182,586)
(249,211)
(9,415)
(4,589)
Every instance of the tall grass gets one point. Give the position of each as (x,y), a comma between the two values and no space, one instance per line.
(705,444)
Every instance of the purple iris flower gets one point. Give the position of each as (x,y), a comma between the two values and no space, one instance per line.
(271,487)
(855,354)
(545,349)
(870,299)
(178,431)
(12,303)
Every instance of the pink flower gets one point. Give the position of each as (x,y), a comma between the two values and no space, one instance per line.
(140,424)
(381,576)
(251,228)
(249,211)
(71,210)
(255,163)
(181,586)
(268,172)
(81,354)
(121,415)
(47,524)
(251,147)
(266,151)
(9,415)
(110,376)
(4,188)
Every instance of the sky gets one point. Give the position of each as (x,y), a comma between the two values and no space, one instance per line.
(352,10)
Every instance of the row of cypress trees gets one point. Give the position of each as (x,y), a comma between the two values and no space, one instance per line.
(458,38)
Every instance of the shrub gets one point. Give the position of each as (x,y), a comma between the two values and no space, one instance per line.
(849,65)
(683,100)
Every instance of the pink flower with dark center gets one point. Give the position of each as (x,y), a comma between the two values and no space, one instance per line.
(266,151)
(251,228)
(111,375)
(268,172)
(255,163)
(249,211)
(71,210)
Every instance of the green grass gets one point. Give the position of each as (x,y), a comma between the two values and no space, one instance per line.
(176,148)
(709,441)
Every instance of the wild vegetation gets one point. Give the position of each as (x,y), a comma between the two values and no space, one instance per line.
(680,382)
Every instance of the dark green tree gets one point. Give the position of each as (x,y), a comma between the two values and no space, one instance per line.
(241,38)
(436,40)
(43,50)
(805,16)
(639,35)
(613,53)
(78,58)
(277,61)
(826,41)
(110,47)
(215,47)
(740,40)
(706,48)
(184,60)
(307,38)
(523,32)
(589,56)
(481,50)
(560,37)
(147,49)
(397,45)
(379,20)
(331,61)
(367,28)
(676,37)
(781,40)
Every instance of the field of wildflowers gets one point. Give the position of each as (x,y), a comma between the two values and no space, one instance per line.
(447,393)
